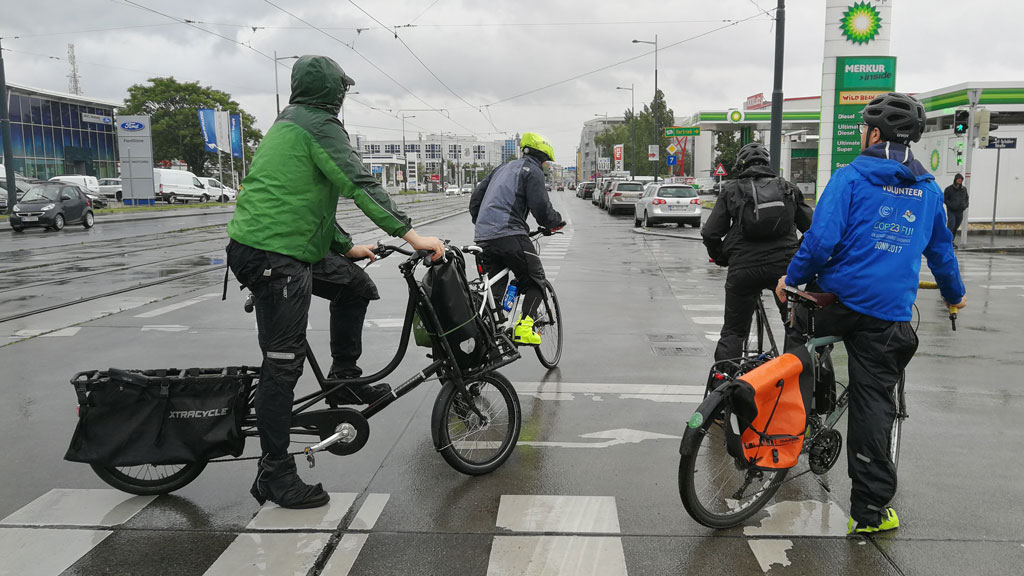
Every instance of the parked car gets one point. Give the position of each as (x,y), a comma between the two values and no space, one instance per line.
(585,190)
(560,188)
(85,183)
(97,199)
(178,185)
(602,201)
(52,205)
(466,189)
(598,198)
(451,190)
(668,203)
(622,195)
(111,189)
(218,191)
(21,186)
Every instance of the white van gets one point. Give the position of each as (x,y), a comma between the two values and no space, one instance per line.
(89,183)
(218,191)
(178,186)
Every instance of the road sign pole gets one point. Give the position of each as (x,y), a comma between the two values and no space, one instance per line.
(995,195)
(5,135)
(777,102)
(973,96)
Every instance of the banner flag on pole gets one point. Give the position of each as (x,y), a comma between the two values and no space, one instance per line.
(236,135)
(208,128)
(223,130)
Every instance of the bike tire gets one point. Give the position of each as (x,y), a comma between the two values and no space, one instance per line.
(127,481)
(693,458)
(494,396)
(549,325)
(895,435)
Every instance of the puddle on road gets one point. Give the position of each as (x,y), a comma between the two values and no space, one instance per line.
(801,518)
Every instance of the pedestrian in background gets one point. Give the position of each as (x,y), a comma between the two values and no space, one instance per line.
(956,200)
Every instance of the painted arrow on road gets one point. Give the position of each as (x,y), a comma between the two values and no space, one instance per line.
(614,438)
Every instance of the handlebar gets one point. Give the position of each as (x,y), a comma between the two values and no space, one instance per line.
(926,285)
(383,250)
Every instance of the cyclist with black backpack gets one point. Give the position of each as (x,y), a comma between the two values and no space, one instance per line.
(752,231)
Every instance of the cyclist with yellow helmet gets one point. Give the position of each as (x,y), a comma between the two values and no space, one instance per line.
(499,207)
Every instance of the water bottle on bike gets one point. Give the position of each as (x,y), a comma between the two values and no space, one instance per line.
(510,296)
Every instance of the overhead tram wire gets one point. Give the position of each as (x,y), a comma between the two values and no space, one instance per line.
(371,63)
(424,64)
(432,4)
(631,59)
(69,32)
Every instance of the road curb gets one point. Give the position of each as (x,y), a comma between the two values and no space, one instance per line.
(643,232)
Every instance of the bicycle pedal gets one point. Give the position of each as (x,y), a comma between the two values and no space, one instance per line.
(310,458)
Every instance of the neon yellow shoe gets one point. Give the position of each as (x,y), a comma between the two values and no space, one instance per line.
(524,334)
(889,522)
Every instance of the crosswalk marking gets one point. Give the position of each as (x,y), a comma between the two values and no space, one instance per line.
(176,306)
(369,512)
(556,555)
(64,332)
(707,320)
(284,554)
(79,507)
(45,551)
(704,307)
(567,514)
(273,517)
(345,555)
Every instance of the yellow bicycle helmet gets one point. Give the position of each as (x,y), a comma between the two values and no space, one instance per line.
(539,143)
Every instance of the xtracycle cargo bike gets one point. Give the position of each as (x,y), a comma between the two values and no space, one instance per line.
(153,431)
(719,483)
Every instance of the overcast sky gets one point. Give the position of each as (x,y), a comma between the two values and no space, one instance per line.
(490,51)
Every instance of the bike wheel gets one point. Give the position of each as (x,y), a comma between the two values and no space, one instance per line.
(548,324)
(467,443)
(900,401)
(718,490)
(149,479)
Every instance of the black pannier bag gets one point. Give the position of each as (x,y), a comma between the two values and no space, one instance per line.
(129,418)
(448,291)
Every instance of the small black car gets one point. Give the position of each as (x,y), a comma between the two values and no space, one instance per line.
(52,205)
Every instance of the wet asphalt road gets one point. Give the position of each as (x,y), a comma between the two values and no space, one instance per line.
(592,488)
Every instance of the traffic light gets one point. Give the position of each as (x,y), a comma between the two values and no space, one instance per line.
(985,126)
(960,119)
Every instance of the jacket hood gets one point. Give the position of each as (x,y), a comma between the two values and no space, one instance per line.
(758,171)
(319,81)
(889,162)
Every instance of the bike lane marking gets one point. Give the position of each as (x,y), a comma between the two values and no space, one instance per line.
(272,554)
(79,507)
(177,306)
(329,517)
(45,551)
(369,512)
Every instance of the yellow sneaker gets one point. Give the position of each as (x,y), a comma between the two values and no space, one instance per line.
(889,522)
(524,334)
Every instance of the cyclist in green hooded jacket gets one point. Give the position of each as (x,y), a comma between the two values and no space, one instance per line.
(285,244)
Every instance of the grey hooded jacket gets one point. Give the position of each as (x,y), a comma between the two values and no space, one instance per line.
(501,202)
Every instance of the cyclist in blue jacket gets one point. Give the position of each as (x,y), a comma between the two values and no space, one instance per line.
(875,219)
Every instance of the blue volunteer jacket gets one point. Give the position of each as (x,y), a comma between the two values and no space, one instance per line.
(873,222)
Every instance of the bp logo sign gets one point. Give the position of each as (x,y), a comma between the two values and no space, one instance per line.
(861,23)
(736,116)
(935,159)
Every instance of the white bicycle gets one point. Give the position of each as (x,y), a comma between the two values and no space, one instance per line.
(548,321)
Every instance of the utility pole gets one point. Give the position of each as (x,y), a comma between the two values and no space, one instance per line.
(973,97)
(632,127)
(405,157)
(74,85)
(654,107)
(776,121)
(5,134)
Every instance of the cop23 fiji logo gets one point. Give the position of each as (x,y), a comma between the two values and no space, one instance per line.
(861,23)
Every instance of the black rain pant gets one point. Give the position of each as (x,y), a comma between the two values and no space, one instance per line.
(954,218)
(878,351)
(519,255)
(742,290)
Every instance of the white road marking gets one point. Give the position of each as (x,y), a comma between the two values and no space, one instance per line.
(707,320)
(45,550)
(596,388)
(369,512)
(561,555)
(79,507)
(801,518)
(385,323)
(614,438)
(70,331)
(344,556)
(269,554)
(566,514)
(1002,286)
(770,552)
(164,328)
(273,517)
(177,306)
(704,307)
(27,333)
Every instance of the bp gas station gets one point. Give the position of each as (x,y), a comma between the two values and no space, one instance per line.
(820,134)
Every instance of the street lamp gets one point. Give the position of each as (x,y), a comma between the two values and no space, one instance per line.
(632,125)
(657,128)
(277,91)
(597,162)
(405,158)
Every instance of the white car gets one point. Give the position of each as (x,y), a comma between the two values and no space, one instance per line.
(668,203)
(466,189)
(86,183)
(451,190)
(178,186)
(111,189)
(218,191)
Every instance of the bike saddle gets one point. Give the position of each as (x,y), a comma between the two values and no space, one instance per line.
(815,300)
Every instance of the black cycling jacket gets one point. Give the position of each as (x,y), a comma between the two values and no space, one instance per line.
(502,201)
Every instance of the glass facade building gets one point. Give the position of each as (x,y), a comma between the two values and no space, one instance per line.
(53,134)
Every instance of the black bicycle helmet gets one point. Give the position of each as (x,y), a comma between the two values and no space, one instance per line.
(751,154)
(899,117)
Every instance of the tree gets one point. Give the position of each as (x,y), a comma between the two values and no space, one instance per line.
(727,144)
(644,122)
(174,107)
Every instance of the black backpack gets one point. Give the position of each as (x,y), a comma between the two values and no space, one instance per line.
(447,288)
(768,209)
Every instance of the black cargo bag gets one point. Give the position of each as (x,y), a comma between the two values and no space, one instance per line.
(129,418)
(448,292)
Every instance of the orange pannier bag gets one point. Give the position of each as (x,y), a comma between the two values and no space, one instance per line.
(769,414)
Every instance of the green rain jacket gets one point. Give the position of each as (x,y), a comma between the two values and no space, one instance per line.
(304,163)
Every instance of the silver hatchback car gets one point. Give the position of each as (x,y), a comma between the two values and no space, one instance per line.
(622,195)
(668,203)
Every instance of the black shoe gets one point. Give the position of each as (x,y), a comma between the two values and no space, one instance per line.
(363,394)
(279,482)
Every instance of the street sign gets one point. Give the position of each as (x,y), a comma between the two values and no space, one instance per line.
(435,177)
(604,163)
(720,171)
(376,169)
(671,160)
(679,131)
(1001,143)
(652,152)
(672,148)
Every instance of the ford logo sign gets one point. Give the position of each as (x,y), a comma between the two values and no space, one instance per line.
(132,126)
